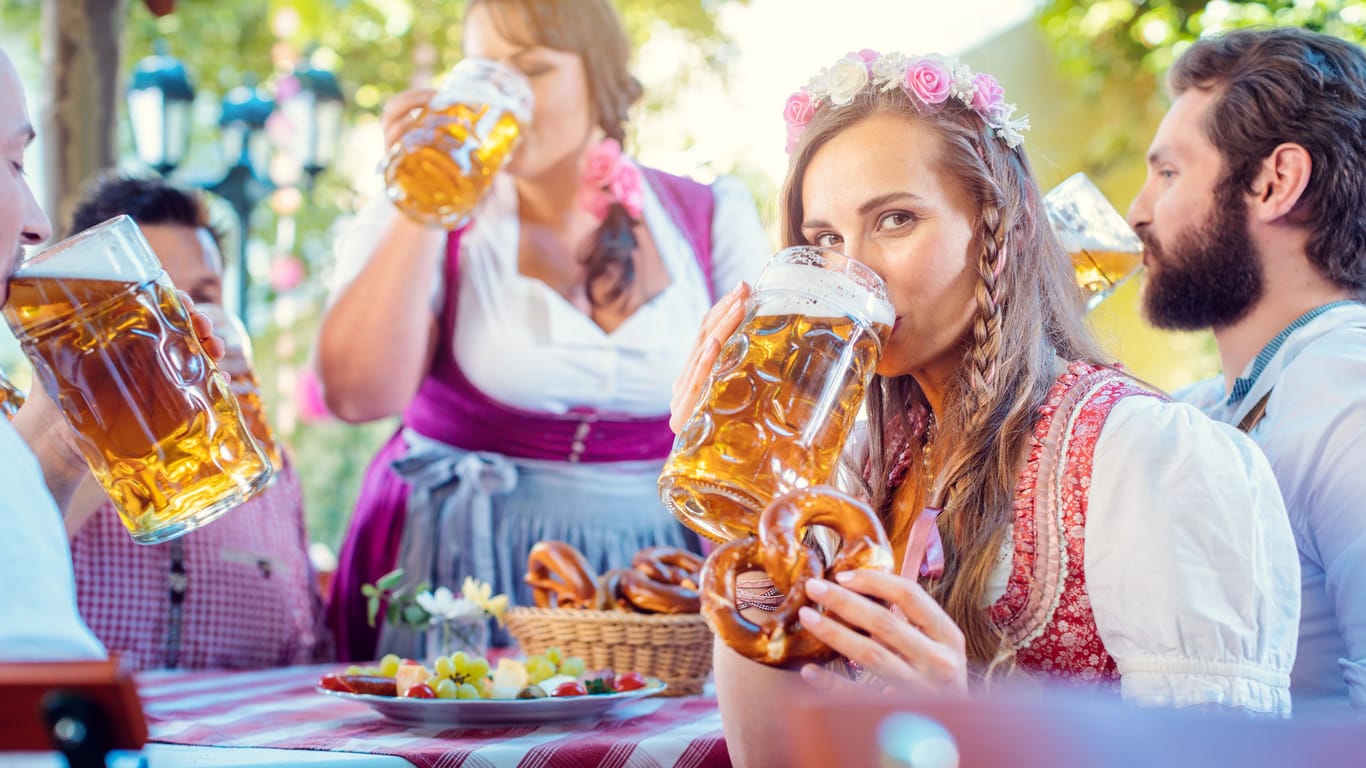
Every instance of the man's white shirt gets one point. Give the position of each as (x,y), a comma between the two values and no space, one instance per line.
(1314,434)
(39,620)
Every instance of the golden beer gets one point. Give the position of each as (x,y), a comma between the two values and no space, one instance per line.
(1104,249)
(242,380)
(783,394)
(153,417)
(1099,273)
(11,398)
(247,389)
(441,168)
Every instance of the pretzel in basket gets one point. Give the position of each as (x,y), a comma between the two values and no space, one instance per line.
(662,580)
(778,639)
(560,576)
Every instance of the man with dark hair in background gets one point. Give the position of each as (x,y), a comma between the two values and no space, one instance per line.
(1254,221)
(246,595)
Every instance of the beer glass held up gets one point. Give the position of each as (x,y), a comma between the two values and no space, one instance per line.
(111,342)
(440,168)
(1105,251)
(238,364)
(783,394)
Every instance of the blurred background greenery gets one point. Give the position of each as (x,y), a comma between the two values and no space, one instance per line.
(1086,70)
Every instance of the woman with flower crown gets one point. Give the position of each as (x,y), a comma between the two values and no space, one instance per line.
(1050,514)
(530,353)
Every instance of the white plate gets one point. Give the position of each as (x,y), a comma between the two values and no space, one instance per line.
(496,711)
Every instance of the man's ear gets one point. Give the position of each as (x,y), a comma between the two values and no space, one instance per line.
(1281,182)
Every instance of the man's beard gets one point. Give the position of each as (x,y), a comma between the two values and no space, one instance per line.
(1210,277)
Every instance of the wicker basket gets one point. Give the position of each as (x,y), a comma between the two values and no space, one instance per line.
(673,648)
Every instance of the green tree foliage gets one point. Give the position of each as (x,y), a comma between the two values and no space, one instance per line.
(1138,39)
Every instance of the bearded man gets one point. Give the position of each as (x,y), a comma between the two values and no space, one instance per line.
(1254,220)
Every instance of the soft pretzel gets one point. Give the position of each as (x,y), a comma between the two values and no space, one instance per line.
(560,576)
(647,595)
(609,591)
(778,639)
(662,580)
(669,565)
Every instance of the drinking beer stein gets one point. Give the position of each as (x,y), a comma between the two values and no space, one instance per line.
(441,167)
(783,393)
(237,364)
(1105,251)
(111,342)
(11,398)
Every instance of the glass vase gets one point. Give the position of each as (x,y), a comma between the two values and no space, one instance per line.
(464,633)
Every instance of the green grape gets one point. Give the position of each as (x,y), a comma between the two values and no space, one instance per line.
(572,666)
(554,656)
(447,689)
(433,681)
(355,669)
(388,666)
(461,662)
(466,691)
(538,668)
(443,667)
(478,669)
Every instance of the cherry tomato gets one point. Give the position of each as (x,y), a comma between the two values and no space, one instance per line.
(571,688)
(628,681)
(420,691)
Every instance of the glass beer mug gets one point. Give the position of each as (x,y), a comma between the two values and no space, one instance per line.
(1104,249)
(109,338)
(237,364)
(441,167)
(11,398)
(783,394)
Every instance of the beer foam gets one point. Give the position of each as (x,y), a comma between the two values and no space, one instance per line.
(794,289)
(110,251)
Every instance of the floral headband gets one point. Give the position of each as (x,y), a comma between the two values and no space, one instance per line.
(929,80)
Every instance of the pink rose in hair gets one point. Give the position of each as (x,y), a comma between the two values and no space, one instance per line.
(799,110)
(601,163)
(989,97)
(928,81)
(625,188)
(595,201)
(868,56)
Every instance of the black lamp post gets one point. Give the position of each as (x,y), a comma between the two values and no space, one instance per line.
(159,100)
(243,122)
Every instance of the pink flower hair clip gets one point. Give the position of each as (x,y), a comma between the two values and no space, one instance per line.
(609,177)
(928,80)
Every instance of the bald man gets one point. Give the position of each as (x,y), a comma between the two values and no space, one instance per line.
(38,471)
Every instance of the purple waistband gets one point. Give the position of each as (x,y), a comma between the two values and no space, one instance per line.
(464,417)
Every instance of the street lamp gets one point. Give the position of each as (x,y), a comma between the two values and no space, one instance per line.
(316,114)
(159,100)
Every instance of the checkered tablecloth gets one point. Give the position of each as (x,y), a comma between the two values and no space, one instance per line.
(278,708)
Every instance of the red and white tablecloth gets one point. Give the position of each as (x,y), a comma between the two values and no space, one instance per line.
(278,708)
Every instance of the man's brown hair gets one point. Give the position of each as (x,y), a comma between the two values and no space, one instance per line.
(1277,86)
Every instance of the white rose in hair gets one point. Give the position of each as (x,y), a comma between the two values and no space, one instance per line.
(846,79)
